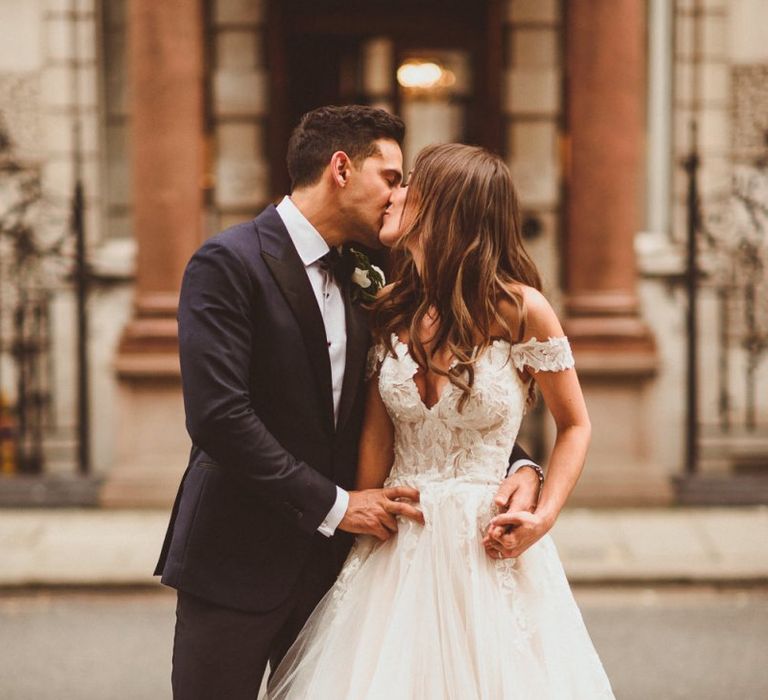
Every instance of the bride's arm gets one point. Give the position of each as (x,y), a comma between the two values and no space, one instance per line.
(376,451)
(563,397)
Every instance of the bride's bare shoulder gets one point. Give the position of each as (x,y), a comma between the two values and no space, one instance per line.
(540,318)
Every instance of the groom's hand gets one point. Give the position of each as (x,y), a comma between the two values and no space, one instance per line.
(519,491)
(373,511)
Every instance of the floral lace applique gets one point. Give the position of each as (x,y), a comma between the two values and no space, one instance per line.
(357,555)
(507,572)
(552,355)
(376,356)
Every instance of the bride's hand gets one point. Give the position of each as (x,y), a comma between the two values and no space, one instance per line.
(510,534)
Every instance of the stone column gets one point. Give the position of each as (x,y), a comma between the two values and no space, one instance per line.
(165,67)
(615,352)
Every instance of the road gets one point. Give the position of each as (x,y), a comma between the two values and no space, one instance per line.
(657,644)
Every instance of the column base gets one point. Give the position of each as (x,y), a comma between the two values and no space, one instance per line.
(153,446)
(616,359)
(620,470)
(612,346)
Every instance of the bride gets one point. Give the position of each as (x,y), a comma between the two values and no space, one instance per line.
(441,611)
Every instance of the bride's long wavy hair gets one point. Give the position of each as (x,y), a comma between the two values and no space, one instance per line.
(461,212)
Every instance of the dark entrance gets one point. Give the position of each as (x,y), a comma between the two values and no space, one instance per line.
(319,52)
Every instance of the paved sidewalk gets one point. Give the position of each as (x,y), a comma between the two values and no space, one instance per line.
(119,547)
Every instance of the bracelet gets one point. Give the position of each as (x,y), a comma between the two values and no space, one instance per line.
(539,471)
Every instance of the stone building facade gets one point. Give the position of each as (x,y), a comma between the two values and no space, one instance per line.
(184,108)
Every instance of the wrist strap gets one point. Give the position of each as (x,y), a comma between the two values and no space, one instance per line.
(539,471)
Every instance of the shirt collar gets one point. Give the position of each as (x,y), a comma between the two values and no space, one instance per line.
(310,245)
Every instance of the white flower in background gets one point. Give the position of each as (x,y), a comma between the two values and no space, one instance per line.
(361,278)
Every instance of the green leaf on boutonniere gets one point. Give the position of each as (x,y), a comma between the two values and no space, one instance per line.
(367,279)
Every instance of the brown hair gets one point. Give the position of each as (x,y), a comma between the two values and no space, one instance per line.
(349,128)
(461,210)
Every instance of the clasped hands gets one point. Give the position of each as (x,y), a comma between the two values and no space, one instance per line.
(374,512)
(511,532)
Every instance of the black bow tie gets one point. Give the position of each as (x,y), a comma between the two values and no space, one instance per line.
(335,263)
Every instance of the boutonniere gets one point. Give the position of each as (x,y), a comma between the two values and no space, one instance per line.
(366,277)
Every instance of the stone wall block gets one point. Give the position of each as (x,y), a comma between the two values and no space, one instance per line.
(85,36)
(684,36)
(544,249)
(684,88)
(532,91)
(58,40)
(239,140)
(237,50)
(715,177)
(707,83)
(241,183)
(714,131)
(58,178)
(536,182)
(714,36)
(533,11)
(238,11)
(90,142)
(58,133)
(240,93)
(56,87)
(65,8)
(534,141)
(706,5)
(533,48)
(118,225)
(88,86)
(715,84)
(681,136)
(93,221)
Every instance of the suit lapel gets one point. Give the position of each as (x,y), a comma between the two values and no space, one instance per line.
(357,346)
(286,267)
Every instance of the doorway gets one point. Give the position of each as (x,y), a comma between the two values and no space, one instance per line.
(436,63)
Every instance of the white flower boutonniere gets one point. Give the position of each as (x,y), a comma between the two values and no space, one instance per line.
(367,278)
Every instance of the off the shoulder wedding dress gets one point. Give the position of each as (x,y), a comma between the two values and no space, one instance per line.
(428,615)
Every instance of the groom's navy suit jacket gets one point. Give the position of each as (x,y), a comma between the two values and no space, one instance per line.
(266,456)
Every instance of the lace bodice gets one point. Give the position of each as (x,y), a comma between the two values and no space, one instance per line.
(441,442)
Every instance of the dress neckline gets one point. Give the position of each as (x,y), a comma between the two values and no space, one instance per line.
(446,389)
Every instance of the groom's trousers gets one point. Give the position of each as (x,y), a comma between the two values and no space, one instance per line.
(220,652)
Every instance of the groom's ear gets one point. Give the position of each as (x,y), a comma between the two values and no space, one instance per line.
(340,166)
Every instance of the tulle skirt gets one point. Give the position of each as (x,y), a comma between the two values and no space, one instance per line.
(429,616)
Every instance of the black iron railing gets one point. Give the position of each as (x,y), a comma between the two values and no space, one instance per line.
(727,260)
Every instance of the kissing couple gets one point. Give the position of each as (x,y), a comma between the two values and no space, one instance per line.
(356,511)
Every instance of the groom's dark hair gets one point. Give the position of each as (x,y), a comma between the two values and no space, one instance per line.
(323,131)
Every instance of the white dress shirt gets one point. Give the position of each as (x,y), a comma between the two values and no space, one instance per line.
(311,247)
(519,464)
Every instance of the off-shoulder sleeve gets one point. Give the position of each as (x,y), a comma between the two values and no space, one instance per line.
(375,357)
(552,355)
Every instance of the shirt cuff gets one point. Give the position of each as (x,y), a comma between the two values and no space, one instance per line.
(336,514)
(519,463)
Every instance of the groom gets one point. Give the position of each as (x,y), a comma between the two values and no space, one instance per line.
(272,351)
